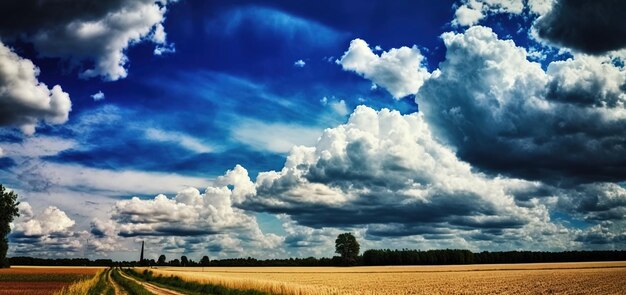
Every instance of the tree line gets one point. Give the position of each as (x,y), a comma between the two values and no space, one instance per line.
(455,256)
(369,258)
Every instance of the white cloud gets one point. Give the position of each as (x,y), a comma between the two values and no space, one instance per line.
(385,172)
(43,176)
(103,40)
(38,146)
(184,140)
(339,107)
(299,63)
(46,233)
(398,70)
(191,221)
(473,11)
(506,114)
(540,7)
(469,14)
(24,101)
(98,96)
(274,137)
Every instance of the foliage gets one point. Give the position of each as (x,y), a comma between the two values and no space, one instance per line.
(161,260)
(22,260)
(369,257)
(347,246)
(8,211)
(184,261)
(205,261)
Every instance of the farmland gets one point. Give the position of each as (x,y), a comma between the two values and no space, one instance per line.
(559,278)
(545,278)
(41,280)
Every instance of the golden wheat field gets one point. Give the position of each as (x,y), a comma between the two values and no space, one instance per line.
(548,278)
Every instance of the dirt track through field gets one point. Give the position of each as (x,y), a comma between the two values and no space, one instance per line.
(150,287)
(116,287)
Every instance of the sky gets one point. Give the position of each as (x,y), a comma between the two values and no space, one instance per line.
(265,129)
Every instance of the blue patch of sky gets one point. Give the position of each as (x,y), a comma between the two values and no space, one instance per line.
(568,220)
(270,224)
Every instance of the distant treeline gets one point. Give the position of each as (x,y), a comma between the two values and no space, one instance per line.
(22,260)
(369,257)
(449,256)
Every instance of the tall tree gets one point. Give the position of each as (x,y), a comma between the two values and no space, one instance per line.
(184,261)
(205,261)
(161,260)
(347,246)
(8,211)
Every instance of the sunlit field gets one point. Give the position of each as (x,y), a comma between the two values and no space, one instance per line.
(41,280)
(548,278)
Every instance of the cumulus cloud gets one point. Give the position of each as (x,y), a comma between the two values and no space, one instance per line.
(398,70)
(589,26)
(595,202)
(505,114)
(470,12)
(605,235)
(189,213)
(46,233)
(191,218)
(24,101)
(93,31)
(385,169)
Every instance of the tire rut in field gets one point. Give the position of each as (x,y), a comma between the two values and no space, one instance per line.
(116,287)
(150,287)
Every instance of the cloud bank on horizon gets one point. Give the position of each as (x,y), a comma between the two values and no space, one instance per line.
(498,125)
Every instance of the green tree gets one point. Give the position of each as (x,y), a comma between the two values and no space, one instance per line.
(8,211)
(205,261)
(184,261)
(161,260)
(347,246)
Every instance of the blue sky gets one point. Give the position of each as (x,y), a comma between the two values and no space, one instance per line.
(271,127)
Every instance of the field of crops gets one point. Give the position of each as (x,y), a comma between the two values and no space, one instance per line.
(41,280)
(549,278)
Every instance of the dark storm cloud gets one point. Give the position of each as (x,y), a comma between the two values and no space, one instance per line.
(19,17)
(591,26)
(595,202)
(508,116)
(174,229)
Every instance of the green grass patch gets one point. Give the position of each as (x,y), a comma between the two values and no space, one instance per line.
(129,286)
(102,287)
(193,288)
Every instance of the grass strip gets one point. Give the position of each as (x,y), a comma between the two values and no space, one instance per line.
(188,287)
(131,287)
(102,286)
